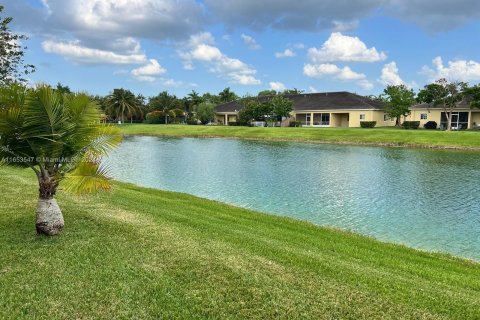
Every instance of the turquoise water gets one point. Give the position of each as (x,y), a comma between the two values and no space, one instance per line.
(427,199)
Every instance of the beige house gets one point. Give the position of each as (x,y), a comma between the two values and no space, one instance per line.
(463,116)
(329,109)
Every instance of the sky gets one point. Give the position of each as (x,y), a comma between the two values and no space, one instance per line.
(149,46)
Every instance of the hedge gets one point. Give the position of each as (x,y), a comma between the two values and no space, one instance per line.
(368,124)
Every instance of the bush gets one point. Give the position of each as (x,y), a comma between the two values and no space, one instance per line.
(237,123)
(411,124)
(430,125)
(155,117)
(295,124)
(368,124)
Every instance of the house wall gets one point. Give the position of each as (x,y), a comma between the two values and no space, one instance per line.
(435,115)
(339,120)
(475,119)
(432,115)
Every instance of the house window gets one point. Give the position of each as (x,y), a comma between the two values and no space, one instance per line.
(385,117)
(362,116)
(423,116)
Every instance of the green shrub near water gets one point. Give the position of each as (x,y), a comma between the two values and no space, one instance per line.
(368,124)
(411,124)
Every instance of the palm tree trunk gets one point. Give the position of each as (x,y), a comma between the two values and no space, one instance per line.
(49,216)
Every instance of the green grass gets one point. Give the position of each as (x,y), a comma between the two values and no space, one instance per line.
(139,253)
(375,136)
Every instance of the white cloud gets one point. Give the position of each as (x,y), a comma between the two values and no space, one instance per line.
(389,76)
(277,86)
(343,74)
(250,42)
(312,89)
(232,69)
(149,71)
(110,19)
(205,52)
(461,70)
(345,48)
(287,53)
(77,53)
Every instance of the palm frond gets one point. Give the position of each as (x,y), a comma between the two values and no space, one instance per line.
(88,177)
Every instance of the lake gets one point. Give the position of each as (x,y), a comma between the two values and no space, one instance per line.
(427,199)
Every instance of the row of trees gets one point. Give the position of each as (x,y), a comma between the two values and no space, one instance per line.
(123,105)
(442,93)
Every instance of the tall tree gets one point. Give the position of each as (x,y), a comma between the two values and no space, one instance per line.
(398,100)
(472,95)
(164,102)
(12,67)
(281,107)
(226,95)
(122,104)
(445,94)
(193,99)
(60,138)
(205,112)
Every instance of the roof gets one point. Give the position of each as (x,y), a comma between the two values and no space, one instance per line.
(461,105)
(317,101)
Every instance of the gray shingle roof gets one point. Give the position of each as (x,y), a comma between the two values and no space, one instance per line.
(317,101)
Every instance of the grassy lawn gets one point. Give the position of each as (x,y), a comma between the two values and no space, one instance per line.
(141,253)
(375,136)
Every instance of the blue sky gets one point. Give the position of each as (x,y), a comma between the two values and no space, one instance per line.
(149,46)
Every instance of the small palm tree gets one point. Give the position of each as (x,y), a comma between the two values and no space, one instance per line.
(60,137)
(123,103)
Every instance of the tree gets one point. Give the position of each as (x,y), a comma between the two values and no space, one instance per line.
(398,100)
(63,89)
(445,94)
(267,93)
(164,102)
(281,106)
(252,109)
(61,140)
(226,95)
(122,103)
(205,112)
(193,99)
(292,91)
(472,95)
(12,67)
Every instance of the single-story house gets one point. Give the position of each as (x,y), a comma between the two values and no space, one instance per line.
(463,116)
(328,109)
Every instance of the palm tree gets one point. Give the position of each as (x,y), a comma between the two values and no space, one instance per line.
(61,139)
(226,95)
(123,103)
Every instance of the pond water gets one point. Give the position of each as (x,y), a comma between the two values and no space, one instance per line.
(427,199)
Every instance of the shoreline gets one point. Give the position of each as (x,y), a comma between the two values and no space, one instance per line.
(347,143)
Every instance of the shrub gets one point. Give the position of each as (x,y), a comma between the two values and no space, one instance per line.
(430,125)
(368,124)
(295,124)
(155,117)
(411,124)
(237,123)
(192,122)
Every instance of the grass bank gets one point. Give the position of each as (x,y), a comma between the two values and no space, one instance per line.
(376,136)
(139,253)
